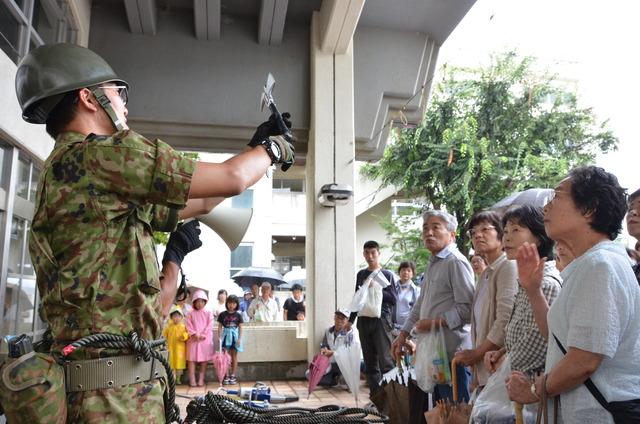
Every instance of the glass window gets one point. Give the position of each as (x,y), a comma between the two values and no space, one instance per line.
(243,200)
(25,301)
(22,189)
(10,307)
(33,188)
(4,153)
(294,186)
(45,29)
(241,257)
(15,246)
(9,33)
(27,266)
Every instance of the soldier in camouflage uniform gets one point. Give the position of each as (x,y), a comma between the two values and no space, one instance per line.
(104,189)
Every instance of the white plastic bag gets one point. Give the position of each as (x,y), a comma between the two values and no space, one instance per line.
(425,352)
(493,404)
(368,299)
(373,306)
(359,299)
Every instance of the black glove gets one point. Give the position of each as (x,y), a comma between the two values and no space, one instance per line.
(269,128)
(185,239)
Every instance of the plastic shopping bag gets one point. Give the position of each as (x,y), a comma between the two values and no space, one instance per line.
(423,359)
(441,369)
(359,299)
(368,299)
(431,361)
(493,404)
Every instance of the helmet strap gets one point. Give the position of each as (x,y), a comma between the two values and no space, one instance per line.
(106,105)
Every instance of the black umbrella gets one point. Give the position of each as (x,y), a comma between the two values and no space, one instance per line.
(259,275)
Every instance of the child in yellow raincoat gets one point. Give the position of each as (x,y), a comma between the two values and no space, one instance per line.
(176,335)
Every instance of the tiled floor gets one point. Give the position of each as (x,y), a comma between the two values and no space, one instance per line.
(321,396)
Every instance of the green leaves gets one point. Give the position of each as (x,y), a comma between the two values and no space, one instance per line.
(490,132)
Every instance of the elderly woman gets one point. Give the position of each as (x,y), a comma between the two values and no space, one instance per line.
(526,338)
(478,264)
(596,317)
(493,297)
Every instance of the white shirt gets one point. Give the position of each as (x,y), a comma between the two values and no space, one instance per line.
(598,310)
(261,310)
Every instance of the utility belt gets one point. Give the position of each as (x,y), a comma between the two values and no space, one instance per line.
(34,386)
(108,373)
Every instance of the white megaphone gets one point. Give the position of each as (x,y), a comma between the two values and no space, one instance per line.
(229,223)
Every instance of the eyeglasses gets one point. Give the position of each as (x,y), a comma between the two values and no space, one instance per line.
(554,195)
(484,230)
(123,92)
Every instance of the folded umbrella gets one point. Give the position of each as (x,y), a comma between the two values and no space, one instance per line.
(221,361)
(393,398)
(348,360)
(447,412)
(317,369)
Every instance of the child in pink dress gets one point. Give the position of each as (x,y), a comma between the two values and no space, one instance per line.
(199,324)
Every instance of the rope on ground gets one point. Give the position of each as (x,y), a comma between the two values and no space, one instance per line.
(142,347)
(213,408)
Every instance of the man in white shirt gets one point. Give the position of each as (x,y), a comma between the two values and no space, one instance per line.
(263,308)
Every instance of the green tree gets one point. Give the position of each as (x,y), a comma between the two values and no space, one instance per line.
(405,239)
(161,237)
(490,132)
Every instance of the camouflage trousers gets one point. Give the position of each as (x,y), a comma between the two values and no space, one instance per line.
(136,403)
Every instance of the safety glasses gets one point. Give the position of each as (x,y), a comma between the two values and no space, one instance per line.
(123,91)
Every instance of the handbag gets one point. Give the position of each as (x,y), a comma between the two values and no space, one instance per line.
(625,411)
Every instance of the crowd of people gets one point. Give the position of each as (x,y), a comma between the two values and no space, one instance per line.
(195,331)
(550,288)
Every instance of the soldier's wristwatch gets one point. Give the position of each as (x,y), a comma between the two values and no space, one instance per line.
(273,150)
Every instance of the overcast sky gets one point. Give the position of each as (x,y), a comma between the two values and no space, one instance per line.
(594,43)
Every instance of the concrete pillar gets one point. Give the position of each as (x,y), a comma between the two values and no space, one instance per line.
(330,243)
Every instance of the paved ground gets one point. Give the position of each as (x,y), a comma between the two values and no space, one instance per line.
(321,396)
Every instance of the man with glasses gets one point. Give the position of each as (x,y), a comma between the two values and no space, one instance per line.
(103,191)
(444,302)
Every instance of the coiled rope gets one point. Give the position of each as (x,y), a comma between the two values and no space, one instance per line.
(142,347)
(221,409)
(214,408)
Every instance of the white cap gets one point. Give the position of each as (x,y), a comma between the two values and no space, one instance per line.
(343,311)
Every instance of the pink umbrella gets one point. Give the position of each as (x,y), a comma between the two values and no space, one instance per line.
(221,361)
(317,368)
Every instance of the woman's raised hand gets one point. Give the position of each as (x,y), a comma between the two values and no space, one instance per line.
(530,267)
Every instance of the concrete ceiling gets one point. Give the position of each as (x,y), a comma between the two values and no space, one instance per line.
(176,45)
(436,18)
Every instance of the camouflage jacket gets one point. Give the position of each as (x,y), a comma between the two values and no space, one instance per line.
(99,200)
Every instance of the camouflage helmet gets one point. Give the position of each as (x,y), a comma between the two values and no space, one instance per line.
(48,72)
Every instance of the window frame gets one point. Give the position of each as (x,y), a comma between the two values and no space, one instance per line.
(65,28)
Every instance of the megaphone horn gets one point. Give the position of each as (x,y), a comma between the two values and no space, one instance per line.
(229,223)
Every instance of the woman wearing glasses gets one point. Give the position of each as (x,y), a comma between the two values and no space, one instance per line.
(493,297)
(594,324)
